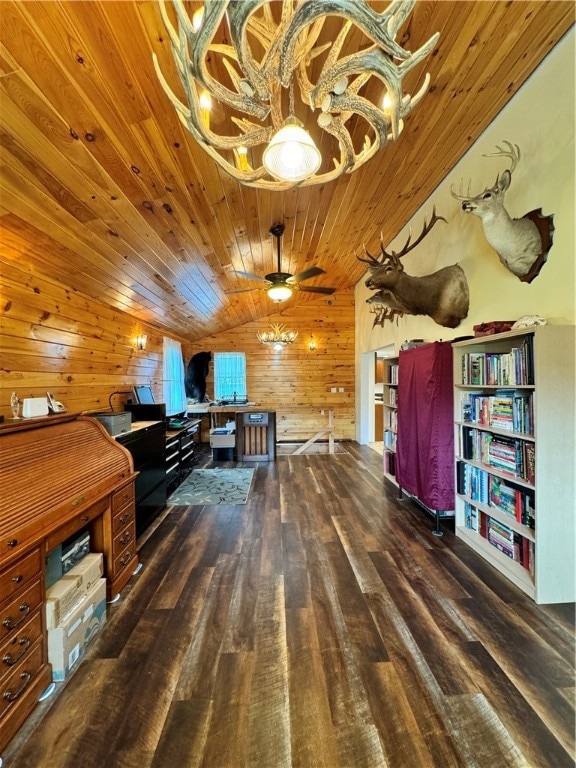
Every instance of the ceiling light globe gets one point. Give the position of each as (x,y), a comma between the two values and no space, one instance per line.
(279,293)
(291,154)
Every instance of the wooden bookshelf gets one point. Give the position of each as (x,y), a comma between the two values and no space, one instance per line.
(515,451)
(390,416)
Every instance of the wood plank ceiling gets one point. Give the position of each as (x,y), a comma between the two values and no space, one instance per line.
(103,189)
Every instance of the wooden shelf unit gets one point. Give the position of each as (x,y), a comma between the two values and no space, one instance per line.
(390,416)
(542,564)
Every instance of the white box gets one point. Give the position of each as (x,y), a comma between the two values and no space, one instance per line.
(67,643)
(88,570)
(61,598)
(34,406)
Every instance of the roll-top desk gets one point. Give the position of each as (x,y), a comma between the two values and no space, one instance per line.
(59,474)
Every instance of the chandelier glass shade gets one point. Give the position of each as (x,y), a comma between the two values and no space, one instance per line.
(278,336)
(254,72)
(291,154)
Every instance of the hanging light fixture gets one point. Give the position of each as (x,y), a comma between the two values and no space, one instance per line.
(291,154)
(273,148)
(278,293)
(278,336)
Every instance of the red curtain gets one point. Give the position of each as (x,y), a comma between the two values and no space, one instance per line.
(425,446)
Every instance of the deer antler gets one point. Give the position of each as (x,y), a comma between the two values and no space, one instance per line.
(370,260)
(513,153)
(382,313)
(394,257)
(459,195)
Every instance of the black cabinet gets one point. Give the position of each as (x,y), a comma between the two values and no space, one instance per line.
(180,453)
(148,448)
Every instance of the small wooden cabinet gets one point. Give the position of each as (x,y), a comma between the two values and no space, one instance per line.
(60,475)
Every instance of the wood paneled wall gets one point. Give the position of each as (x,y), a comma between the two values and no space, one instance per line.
(296,382)
(53,338)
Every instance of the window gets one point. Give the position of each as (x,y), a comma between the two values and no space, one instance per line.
(173,377)
(229,375)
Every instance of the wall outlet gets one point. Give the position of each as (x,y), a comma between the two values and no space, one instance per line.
(340,389)
(332,389)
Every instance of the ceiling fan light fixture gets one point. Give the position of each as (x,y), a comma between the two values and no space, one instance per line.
(291,154)
(279,293)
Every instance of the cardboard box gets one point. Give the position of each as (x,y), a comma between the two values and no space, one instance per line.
(61,598)
(67,643)
(88,570)
(221,439)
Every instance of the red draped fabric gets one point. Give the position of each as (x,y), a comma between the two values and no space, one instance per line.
(425,446)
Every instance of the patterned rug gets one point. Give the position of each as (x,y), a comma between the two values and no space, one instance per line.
(213,486)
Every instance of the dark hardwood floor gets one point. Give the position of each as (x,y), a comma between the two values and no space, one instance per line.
(321,624)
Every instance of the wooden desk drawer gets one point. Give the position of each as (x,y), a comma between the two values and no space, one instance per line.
(125,557)
(123,518)
(122,497)
(77,523)
(126,537)
(15,684)
(18,646)
(21,573)
(15,612)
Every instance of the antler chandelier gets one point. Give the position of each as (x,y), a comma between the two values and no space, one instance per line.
(277,336)
(273,56)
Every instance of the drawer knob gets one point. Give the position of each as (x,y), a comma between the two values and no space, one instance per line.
(126,559)
(124,519)
(125,538)
(13,542)
(10,660)
(9,623)
(13,695)
(17,579)
(85,518)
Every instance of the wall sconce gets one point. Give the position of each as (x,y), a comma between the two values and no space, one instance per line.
(312,345)
(141,341)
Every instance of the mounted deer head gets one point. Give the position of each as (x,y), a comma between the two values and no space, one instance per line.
(443,295)
(521,244)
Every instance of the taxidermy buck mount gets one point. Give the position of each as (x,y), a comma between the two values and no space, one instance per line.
(443,295)
(521,244)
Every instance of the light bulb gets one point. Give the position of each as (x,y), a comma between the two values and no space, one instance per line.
(291,154)
(205,102)
(279,293)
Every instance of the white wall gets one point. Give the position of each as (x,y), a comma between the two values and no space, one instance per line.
(540,119)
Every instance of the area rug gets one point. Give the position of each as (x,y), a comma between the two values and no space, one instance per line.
(214,486)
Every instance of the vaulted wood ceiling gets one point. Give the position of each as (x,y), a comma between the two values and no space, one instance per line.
(104,190)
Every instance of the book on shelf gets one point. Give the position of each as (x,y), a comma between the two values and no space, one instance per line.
(510,543)
(500,368)
(505,409)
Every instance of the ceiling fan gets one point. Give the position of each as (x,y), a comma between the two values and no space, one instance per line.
(280,285)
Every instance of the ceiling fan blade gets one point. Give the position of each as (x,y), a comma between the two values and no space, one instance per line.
(316,289)
(306,274)
(250,276)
